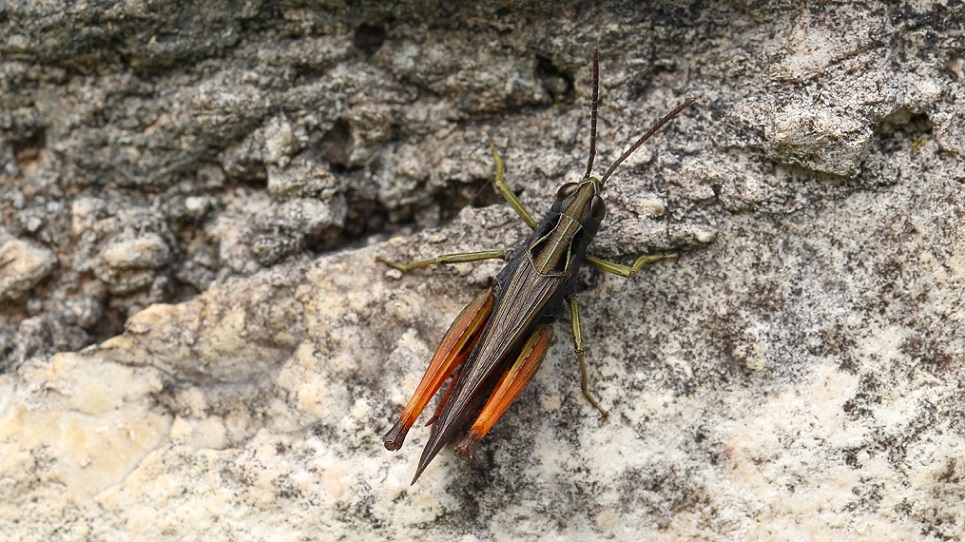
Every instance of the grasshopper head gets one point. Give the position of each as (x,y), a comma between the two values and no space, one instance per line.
(582,202)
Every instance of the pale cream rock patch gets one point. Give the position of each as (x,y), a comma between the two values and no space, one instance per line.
(147,250)
(23,265)
(89,428)
(770,456)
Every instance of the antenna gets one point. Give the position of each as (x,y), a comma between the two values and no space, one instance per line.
(653,129)
(593,107)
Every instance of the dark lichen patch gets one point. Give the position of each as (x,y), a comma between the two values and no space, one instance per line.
(864,402)
(369,38)
(335,146)
(904,128)
(557,83)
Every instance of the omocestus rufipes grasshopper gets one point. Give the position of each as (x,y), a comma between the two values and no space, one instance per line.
(497,343)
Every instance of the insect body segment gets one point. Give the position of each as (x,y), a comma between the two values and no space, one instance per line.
(510,385)
(581,211)
(499,340)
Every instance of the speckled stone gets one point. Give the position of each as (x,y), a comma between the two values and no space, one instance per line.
(217,353)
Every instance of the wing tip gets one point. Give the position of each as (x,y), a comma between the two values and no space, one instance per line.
(395,437)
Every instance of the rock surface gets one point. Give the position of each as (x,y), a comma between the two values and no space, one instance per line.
(22,266)
(198,344)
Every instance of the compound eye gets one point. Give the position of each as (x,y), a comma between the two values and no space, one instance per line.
(597,208)
(566,191)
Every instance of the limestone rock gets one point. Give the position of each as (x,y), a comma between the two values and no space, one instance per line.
(218,353)
(22,266)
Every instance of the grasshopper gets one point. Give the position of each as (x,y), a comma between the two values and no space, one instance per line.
(497,343)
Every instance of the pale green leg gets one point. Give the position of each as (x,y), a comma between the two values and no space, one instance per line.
(460,257)
(579,347)
(508,193)
(627,271)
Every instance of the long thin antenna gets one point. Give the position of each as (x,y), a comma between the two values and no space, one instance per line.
(593,107)
(653,129)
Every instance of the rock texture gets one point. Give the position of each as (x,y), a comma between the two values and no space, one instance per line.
(198,344)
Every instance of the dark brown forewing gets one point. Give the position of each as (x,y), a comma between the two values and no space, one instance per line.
(521,304)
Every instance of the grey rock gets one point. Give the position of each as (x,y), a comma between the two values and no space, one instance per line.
(129,263)
(280,141)
(218,343)
(302,178)
(285,229)
(22,266)
(145,251)
(823,141)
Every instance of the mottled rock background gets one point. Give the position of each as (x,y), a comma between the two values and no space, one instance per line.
(197,344)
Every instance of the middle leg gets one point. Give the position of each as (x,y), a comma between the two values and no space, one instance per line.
(580,349)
